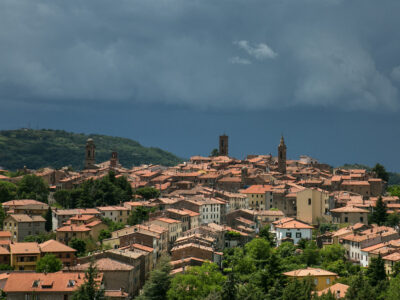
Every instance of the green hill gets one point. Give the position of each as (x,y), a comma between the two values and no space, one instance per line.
(57,148)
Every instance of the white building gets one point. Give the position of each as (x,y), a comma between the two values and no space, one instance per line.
(290,229)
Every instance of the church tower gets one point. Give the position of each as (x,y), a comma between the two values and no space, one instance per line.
(223,145)
(114,159)
(90,157)
(282,156)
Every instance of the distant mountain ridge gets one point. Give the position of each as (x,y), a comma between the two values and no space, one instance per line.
(58,148)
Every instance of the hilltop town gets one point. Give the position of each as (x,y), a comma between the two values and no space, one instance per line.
(265,227)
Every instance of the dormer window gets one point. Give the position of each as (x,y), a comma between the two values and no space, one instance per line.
(36,283)
(71,283)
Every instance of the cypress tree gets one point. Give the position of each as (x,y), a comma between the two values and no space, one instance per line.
(49,220)
(379,216)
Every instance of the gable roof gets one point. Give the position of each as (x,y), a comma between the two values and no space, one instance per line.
(44,283)
(294,224)
(309,272)
(55,246)
(25,248)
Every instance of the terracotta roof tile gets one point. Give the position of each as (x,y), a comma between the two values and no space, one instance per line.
(55,246)
(24,248)
(33,282)
(309,272)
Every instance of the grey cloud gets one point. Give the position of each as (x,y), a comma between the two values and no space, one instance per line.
(239,60)
(396,73)
(260,51)
(181,52)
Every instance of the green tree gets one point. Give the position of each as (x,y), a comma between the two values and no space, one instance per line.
(230,289)
(148,192)
(265,233)
(90,289)
(259,249)
(156,287)
(325,296)
(332,253)
(49,264)
(41,237)
(393,291)
(32,187)
(394,190)
(79,245)
(2,215)
(379,215)
(139,215)
(395,269)
(298,289)
(376,270)
(104,234)
(196,283)
(214,152)
(64,197)
(360,289)
(381,172)
(49,220)
(310,255)
(393,219)
(8,191)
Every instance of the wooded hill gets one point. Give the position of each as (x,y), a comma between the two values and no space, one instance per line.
(57,148)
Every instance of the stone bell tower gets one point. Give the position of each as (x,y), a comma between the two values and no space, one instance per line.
(223,145)
(114,159)
(90,156)
(282,156)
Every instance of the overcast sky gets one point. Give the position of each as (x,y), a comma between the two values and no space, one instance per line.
(177,73)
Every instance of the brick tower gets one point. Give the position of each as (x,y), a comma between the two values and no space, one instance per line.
(114,159)
(223,145)
(282,156)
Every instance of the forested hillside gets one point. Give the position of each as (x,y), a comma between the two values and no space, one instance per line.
(57,148)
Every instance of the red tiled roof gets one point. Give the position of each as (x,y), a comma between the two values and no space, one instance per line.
(309,272)
(33,282)
(24,248)
(55,246)
(257,189)
(294,225)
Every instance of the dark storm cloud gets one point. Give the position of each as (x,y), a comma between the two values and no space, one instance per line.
(210,54)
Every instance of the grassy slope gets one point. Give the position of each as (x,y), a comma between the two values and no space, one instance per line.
(57,148)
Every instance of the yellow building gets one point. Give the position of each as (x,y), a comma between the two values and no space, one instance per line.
(174,227)
(24,256)
(390,260)
(259,196)
(313,206)
(322,278)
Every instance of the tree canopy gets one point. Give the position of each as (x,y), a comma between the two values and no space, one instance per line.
(91,289)
(148,192)
(108,190)
(381,172)
(32,187)
(49,264)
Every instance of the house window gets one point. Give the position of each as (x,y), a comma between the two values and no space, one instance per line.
(288,234)
(328,281)
(316,281)
(298,234)
(361,219)
(309,201)
(346,219)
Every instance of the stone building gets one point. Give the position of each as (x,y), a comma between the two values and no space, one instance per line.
(21,225)
(90,156)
